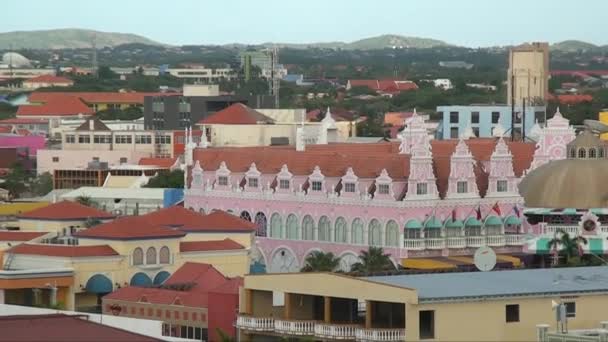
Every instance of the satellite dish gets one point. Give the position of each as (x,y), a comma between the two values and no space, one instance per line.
(485,259)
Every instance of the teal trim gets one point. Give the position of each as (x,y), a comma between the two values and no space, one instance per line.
(493,221)
(413,224)
(140,279)
(472,222)
(542,246)
(453,224)
(597,211)
(569,211)
(433,223)
(257,268)
(160,277)
(512,220)
(99,284)
(596,246)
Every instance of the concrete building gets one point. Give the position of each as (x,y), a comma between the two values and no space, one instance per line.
(80,159)
(481,120)
(478,306)
(45,81)
(34,126)
(528,74)
(203,74)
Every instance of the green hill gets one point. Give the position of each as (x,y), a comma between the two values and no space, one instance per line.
(573,45)
(67,38)
(372,43)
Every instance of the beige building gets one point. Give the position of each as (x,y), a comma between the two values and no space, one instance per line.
(528,74)
(466,306)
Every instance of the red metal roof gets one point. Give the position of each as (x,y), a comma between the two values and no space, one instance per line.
(11,235)
(57,106)
(23,131)
(63,250)
(236,114)
(130,228)
(22,121)
(207,246)
(574,99)
(65,210)
(160,162)
(387,86)
(97,97)
(6,129)
(49,79)
(191,221)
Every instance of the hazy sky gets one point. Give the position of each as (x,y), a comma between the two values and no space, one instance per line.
(463,22)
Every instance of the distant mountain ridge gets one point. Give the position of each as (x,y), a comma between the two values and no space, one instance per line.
(68,39)
(577,45)
(371,43)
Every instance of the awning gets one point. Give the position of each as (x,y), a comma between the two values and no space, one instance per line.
(569,211)
(160,277)
(426,264)
(413,224)
(596,246)
(493,221)
(542,246)
(433,223)
(453,224)
(99,284)
(140,279)
(509,258)
(513,221)
(472,222)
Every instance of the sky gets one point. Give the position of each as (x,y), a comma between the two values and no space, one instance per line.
(472,23)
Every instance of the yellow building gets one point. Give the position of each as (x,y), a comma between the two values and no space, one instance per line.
(472,306)
(10,211)
(603,117)
(528,74)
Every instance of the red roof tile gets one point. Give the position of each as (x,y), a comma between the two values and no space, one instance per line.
(49,79)
(388,85)
(129,228)
(236,114)
(63,250)
(97,97)
(23,131)
(6,129)
(160,162)
(191,221)
(207,246)
(574,99)
(58,106)
(22,121)
(65,210)
(231,286)
(371,84)
(205,276)
(19,235)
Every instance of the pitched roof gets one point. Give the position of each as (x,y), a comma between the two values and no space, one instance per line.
(97,125)
(22,121)
(160,162)
(207,246)
(65,210)
(6,129)
(12,235)
(49,79)
(396,118)
(63,250)
(237,114)
(387,85)
(23,132)
(97,97)
(191,221)
(60,327)
(129,228)
(59,106)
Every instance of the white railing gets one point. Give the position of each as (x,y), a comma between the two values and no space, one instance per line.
(335,331)
(416,244)
(514,239)
(604,230)
(475,241)
(495,240)
(300,328)
(558,337)
(380,335)
(456,242)
(571,230)
(436,243)
(255,323)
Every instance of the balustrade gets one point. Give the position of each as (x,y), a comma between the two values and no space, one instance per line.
(335,331)
(414,244)
(379,335)
(456,242)
(435,243)
(475,241)
(300,328)
(570,229)
(255,323)
(495,240)
(514,239)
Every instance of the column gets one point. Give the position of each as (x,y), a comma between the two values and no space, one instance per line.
(70,299)
(368,313)
(287,312)
(248,302)
(541,332)
(327,309)
(412,322)
(1,296)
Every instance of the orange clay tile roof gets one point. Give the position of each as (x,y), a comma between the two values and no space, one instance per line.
(11,235)
(63,250)
(49,79)
(129,228)
(160,162)
(208,246)
(236,114)
(57,106)
(6,129)
(396,118)
(97,97)
(17,121)
(65,210)
(191,221)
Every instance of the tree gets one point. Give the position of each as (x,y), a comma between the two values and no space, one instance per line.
(223,336)
(373,260)
(91,222)
(570,247)
(166,179)
(86,200)
(104,72)
(42,185)
(16,180)
(131,113)
(321,262)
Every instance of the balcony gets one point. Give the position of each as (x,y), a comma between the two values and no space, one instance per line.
(336,331)
(435,243)
(255,323)
(475,241)
(456,242)
(572,230)
(495,240)
(380,335)
(514,239)
(414,244)
(296,328)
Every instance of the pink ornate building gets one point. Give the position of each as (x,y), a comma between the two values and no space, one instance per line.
(417,197)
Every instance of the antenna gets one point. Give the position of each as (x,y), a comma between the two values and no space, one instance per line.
(94,57)
(274,75)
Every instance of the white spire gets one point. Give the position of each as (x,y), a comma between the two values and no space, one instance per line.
(468,133)
(328,121)
(498,131)
(203,143)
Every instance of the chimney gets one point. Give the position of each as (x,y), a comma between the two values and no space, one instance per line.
(300,144)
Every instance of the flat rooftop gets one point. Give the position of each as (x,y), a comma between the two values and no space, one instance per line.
(530,282)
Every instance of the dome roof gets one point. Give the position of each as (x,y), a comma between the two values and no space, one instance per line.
(15,59)
(568,183)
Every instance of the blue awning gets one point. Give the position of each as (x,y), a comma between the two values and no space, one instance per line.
(140,279)
(493,221)
(433,223)
(99,284)
(413,224)
(257,268)
(160,277)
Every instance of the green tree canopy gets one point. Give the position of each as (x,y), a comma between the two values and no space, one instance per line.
(373,260)
(567,246)
(166,179)
(42,185)
(321,262)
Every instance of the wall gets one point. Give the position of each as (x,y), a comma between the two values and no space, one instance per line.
(32,142)
(245,238)
(250,135)
(161,312)
(222,314)
(49,225)
(530,68)
(75,159)
(229,263)
(603,117)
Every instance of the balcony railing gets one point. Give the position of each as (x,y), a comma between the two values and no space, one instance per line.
(414,244)
(380,335)
(495,240)
(435,243)
(571,230)
(456,242)
(514,239)
(335,331)
(299,328)
(475,241)
(255,323)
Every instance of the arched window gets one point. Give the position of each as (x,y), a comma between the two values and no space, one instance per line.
(324,228)
(138,256)
(292,227)
(245,216)
(493,226)
(357,231)
(164,255)
(375,233)
(276,228)
(261,223)
(601,152)
(582,153)
(592,153)
(201,211)
(191,209)
(308,228)
(340,230)
(151,256)
(392,234)
(573,153)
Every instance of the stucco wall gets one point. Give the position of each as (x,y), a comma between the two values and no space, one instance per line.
(76,159)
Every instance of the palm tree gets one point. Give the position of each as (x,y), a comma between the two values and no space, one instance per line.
(321,262)
(373,260)
(570,247)
(86,200)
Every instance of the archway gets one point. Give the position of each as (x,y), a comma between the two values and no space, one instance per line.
(261,224)
(140,279)
(160,277)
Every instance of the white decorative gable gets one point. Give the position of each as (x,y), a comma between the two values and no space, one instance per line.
(284,180)
(252,178)
(350,183)
(552,140)
(384,186)
(414,134)
(197,176)
(421,183)
(501,178)
(222,177)
(462,182)
(316,181)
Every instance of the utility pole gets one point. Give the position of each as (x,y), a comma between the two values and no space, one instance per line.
(512,106)
(94,57)
(523,121)
(274,76)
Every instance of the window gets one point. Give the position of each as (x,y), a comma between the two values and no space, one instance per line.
(592,153)
(475,117)
(138,256)
(570,309)
(252,182)
(84,139)
(70,139)
(454,133)
(284,184)
(143,139)
(476,131)
(601,153)
(512,313)
(383,189)
(317,186)
(349,187)
(163,139)
(453,117)
(96,159)
(501,186)
(151,256)
(582,153)
(164,255)
(572,153)
(222,180)
(539,117)
(123,139)
(123,160)
(427,324)
(462,187)
(412,233)
(55,159)
(495,117)
(102,139)
(421,189)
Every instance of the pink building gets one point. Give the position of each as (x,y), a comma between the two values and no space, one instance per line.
(32,142)
(415,198)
